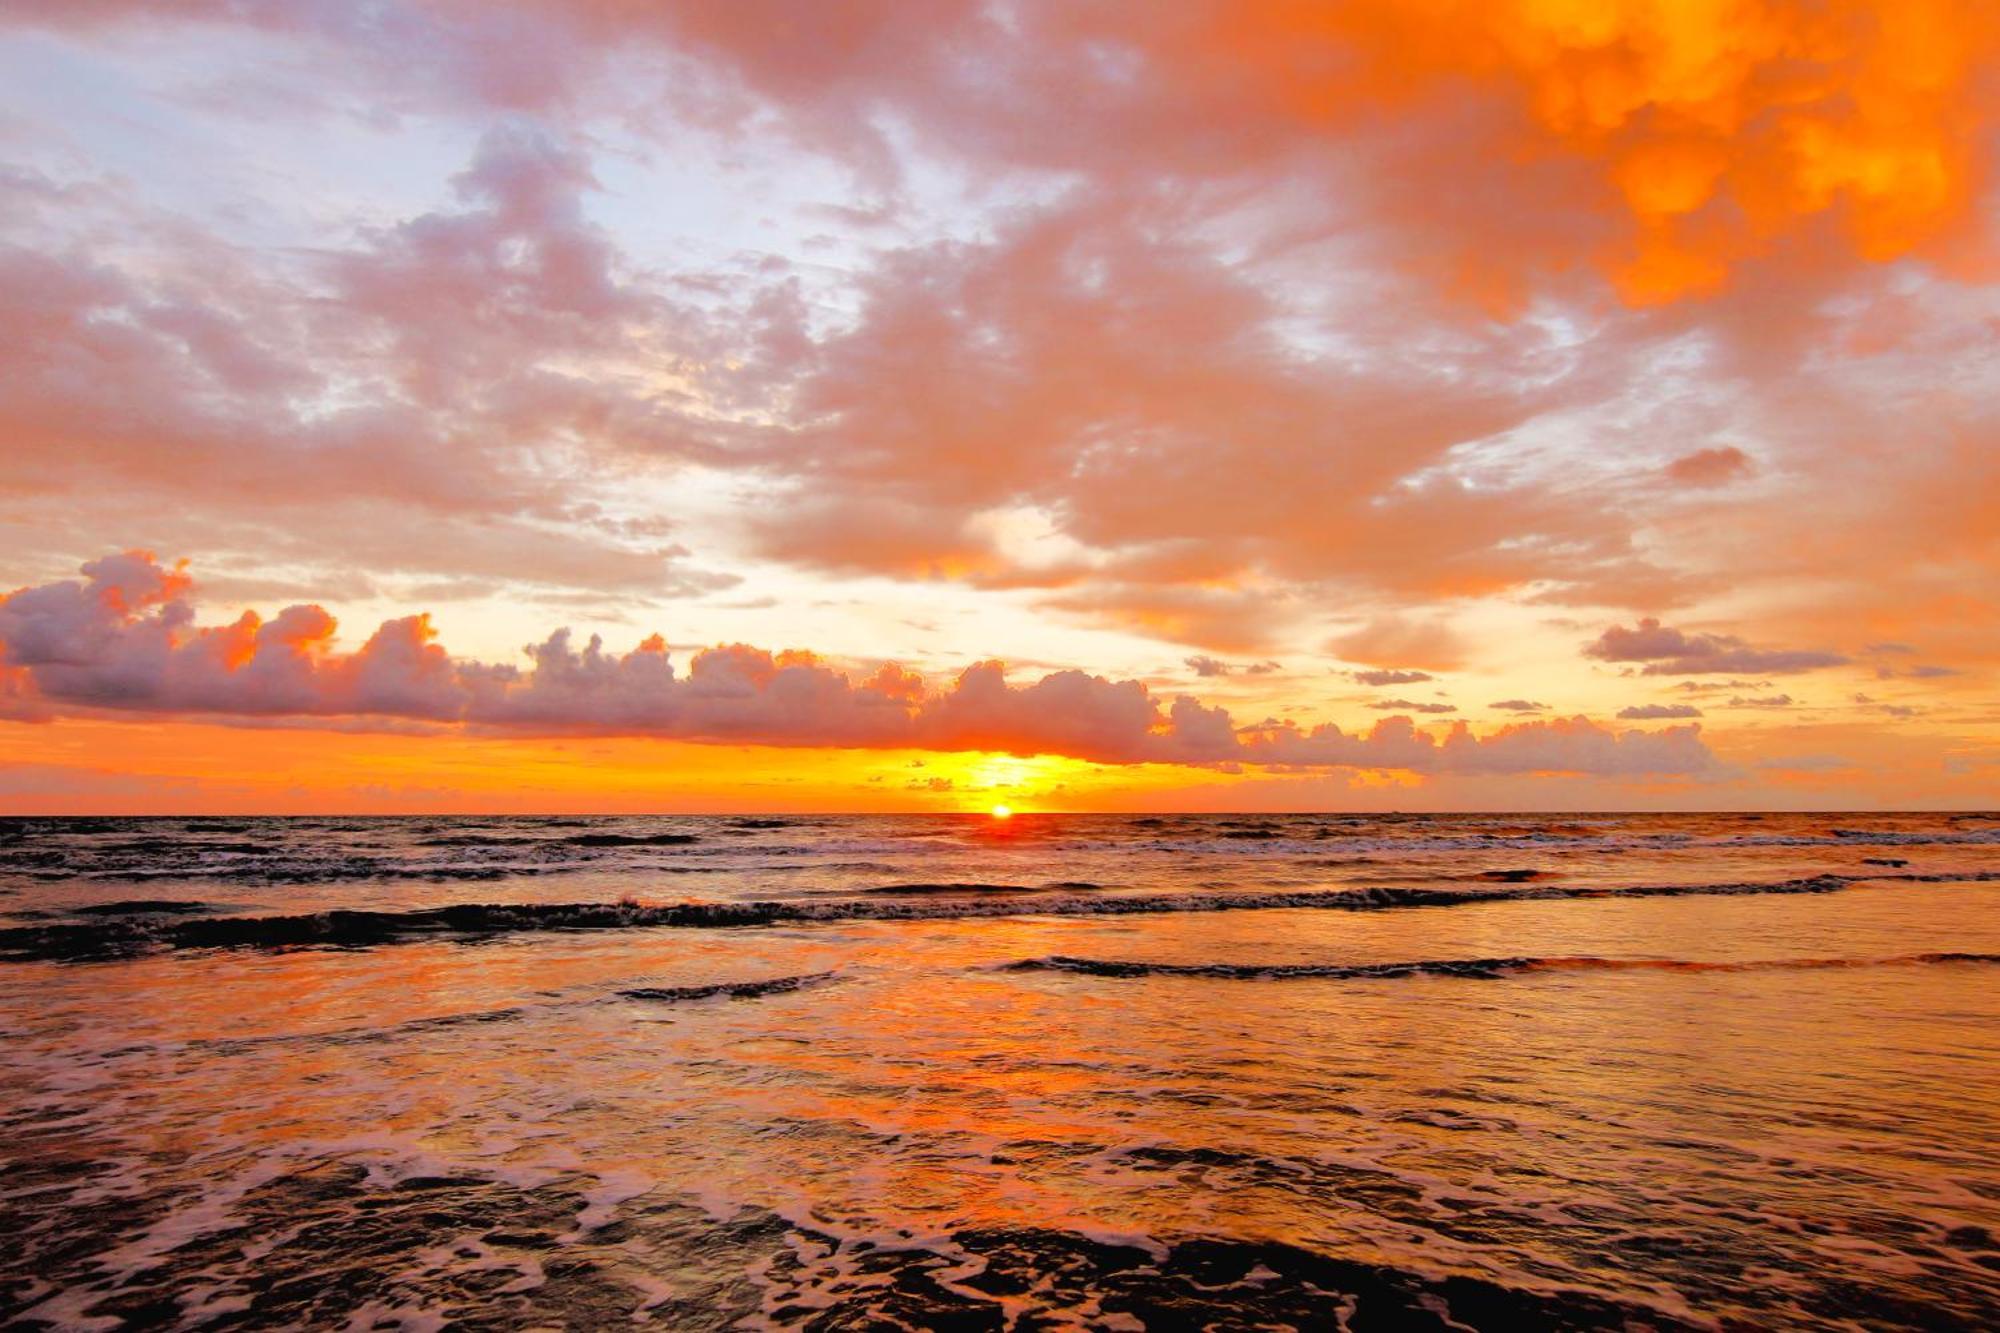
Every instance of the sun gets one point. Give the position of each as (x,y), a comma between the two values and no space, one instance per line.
(1002,812)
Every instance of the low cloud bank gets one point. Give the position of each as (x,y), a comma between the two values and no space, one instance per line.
(125,638)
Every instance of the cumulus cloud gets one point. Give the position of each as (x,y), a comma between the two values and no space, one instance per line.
(1655,712)
(125,638)
(1671,652)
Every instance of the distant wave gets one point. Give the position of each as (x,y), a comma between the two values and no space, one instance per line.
(1477,969)
(735,990)
(361,928)
(340,851)
(945,889)
(362,1034)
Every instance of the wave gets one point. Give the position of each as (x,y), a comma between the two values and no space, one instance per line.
(116,937)
(974,889)
(328,1241)
(735,990)
(370,1033)
(1475,969)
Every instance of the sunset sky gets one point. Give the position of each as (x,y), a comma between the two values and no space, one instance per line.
(1391,404)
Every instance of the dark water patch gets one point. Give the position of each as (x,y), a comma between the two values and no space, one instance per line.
(974,889)
(1514,876)
(146,907)
(183,847)
(734,990)
(1476,969)
(631,839)
(1035,1278)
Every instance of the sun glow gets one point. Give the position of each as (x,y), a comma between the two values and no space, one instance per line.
(1002,812)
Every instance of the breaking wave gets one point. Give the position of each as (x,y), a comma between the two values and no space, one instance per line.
(123,936)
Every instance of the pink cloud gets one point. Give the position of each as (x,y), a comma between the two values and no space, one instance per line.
(125,639)
(1258,341)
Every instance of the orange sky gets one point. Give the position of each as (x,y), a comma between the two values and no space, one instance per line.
(1267,404)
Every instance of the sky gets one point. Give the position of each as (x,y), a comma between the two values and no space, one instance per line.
(432,405)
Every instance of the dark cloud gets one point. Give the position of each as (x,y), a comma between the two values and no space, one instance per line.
(1391,676)
(1672,652)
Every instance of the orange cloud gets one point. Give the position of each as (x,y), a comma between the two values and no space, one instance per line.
(1711,132)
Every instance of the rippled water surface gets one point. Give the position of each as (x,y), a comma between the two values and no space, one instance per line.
(1100,1072)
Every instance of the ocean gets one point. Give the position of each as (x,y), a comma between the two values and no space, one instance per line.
(1104,1072)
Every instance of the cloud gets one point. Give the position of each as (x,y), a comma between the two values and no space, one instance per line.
(1411,706)
(1710,467)
(1390,676)
(1411,643)
(1667,159)
(1653,712)
(1672,652)
(1520,706)
(1917,673)
(1205,666)
(1559,745)
(124,639)
(1265,323)
(410,400)
(1761,701)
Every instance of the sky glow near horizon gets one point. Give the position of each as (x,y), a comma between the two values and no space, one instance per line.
(1520,405)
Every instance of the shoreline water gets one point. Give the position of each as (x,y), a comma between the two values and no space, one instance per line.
(1661,1071)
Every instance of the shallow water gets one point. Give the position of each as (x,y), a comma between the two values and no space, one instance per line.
(1492,1071)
